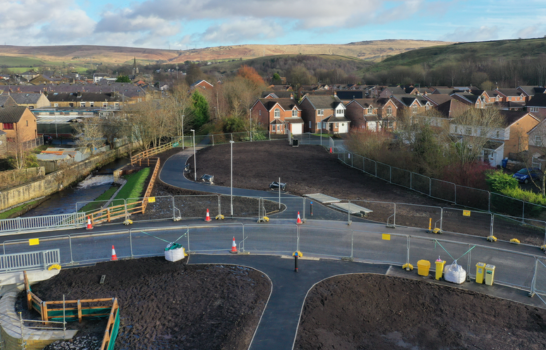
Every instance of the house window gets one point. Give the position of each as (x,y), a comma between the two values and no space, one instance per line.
(339,112)
(538,141)
(370,110)
(277,113)
(82,104)
(414,109)
(320,112)
(337,125)
(390,124)
(468,131)
(91,104)
(55,105)
(8,126)
(389,111)
(294,113)
(534,109)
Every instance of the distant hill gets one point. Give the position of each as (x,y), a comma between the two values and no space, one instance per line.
(459,52)
(80,55)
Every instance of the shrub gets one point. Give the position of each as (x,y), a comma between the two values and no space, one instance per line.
(499,181)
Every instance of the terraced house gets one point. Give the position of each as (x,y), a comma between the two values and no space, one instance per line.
(324,114)
(278,115)
(30,100)
(88,100)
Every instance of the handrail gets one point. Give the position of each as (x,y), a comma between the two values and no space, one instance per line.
(150,152)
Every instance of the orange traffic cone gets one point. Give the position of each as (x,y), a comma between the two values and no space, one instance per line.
(114,256)
(233,247)
(89,225)
(207,218)
(331,150)
(299,219)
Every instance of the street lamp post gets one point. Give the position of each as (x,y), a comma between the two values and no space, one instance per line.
(194,158)
(231,143)
(182,131)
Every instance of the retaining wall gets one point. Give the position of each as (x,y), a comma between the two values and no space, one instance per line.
(58,180)
(12,178)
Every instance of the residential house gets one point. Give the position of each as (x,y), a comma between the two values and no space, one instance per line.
(18,123)
(277,94)
(511,95)
(537,105)
(280,88)
(324,114)
(531,91)
(537,145)
(99,76)
(4,77)
(29,75)
(392,90)
(88,100)
(372,114)
(3,144)
(477,101)
(279,115)
(349,95)
(7,101)
(451,108)
(31,100)
(202,84)
(511,137)
(416,104)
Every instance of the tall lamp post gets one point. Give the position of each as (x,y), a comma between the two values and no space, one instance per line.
(231,145)
(194,158)
(182,128)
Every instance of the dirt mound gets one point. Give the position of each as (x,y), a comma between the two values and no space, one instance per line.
(168,305)
(380,312)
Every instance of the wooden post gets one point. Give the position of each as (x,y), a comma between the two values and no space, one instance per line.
(148,161)
(44,312)
(108,214)
(140,162)
(79,311)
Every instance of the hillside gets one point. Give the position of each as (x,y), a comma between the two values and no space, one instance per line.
(82,55)
(460,52)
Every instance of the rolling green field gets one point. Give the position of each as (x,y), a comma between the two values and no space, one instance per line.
(437,55)
(10,61)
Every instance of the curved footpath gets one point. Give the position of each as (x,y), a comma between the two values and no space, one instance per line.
(278,327)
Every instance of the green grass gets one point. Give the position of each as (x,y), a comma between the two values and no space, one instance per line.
(99,201)
(20,208)
(437,55)
(134,188)
(11,61)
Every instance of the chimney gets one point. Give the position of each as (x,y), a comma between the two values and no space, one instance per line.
(291,96)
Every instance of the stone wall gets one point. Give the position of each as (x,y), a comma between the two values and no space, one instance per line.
(13,178)
(58,180)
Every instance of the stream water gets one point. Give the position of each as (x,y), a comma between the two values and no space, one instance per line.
(64,202)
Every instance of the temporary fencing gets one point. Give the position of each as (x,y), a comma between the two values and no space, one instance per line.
(447,191)
(334,240)
(35,223)
(29,260)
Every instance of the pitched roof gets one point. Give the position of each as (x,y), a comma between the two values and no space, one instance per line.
(2,133)
(4,99)
(449,107)
(509,92)
(539,100)
(350,94)
(25,99)
(468,97)
(396,90)
(286,103)
(85,97)
(323,102)
(374,102)
(510,117)
(531,90)
(11,114)
(438,99)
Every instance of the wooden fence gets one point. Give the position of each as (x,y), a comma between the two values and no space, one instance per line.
(112,328)
(139,157)
(124,210)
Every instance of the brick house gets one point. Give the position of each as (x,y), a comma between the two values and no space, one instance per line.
(530,91)
(537,145)
(30,100)
(416,104)
(476,101)
(3,144)
(372,114)
(278,115)
(511,95)
(324,114)
(512,137)
(537,105)
(202,84)
(18,123)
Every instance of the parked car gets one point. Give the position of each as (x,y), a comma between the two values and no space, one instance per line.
(525,175)
(208,179)
(275,186)
(187,168)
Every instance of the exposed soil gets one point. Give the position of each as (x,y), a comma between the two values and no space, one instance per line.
(310,169)
(167,305)
(387,313)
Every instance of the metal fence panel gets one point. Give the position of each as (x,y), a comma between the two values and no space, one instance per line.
(87,248)
(358,162)
(420,183)
(243,207)
(401,177)
(540,283)
(157,208)
(422,248)
(276,239)
(370,166)
(196,206)
(466,221)
(420,216)
(381,212)
(321,242)
(42,222)
(384,171)
(153,243)
(529,231)
(215,239)
(506,205)
(371,247)
(60,243)
(29,260)
(443,190)
(472,198)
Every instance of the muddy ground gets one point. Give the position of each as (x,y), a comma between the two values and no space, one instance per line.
(310,169)
(168,305)
(387,313)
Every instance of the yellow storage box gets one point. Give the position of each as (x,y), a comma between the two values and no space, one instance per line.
(439,268)
(480,272)
(489,274)
(423,267)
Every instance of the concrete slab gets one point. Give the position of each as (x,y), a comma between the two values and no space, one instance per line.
(322,198)
(352,208)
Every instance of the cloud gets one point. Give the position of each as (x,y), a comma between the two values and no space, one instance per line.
(241,30)
(482,33)
(533,31)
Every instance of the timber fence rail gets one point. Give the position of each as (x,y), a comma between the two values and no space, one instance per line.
(139,157)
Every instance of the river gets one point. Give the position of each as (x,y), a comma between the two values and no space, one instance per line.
(64,202)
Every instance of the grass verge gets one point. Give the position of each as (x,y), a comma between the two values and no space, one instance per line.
(134,188)
(20,208)
(103,197)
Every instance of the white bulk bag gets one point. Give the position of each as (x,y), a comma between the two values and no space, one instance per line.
(174,253)
(454,273)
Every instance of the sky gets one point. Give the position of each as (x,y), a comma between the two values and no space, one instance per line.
(188,24)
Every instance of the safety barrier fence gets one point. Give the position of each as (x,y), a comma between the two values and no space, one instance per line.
(447,191)
(315,239)
(29,260)
(139,157)
(20,224)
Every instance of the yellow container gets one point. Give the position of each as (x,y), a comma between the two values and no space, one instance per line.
(489,274)
(480,272)
(423,267)
(439,268)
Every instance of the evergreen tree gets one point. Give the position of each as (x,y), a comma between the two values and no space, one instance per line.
(200,109)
